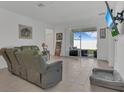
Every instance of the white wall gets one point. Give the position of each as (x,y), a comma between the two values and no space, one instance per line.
(9,32)
(106,47)
(111,49)
(102,44)
(49,40)
(68,41)
(119,58)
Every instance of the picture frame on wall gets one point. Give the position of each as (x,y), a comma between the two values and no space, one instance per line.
(59,36)
(25,32)
(102,33)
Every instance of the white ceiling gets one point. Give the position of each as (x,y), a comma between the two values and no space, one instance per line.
(57,12)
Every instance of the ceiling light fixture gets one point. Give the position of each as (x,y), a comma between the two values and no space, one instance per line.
(40,5)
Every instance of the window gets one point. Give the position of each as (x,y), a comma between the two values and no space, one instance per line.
(77,38)
(85,40)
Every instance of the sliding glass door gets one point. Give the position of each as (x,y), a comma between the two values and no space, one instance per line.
(85,42)
(88,40)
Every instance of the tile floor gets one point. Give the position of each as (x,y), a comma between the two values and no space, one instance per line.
(76,74)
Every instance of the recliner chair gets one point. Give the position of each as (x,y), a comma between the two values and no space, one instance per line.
(38,71)
(28,64)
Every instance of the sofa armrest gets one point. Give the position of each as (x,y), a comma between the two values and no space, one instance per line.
(54,65)
(52,75)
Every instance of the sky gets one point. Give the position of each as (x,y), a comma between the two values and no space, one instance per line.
(85,35)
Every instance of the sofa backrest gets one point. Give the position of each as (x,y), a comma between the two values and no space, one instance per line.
(5,56)
(31,60)
(35,48)
(14,62)
(30,48)
(11,54)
